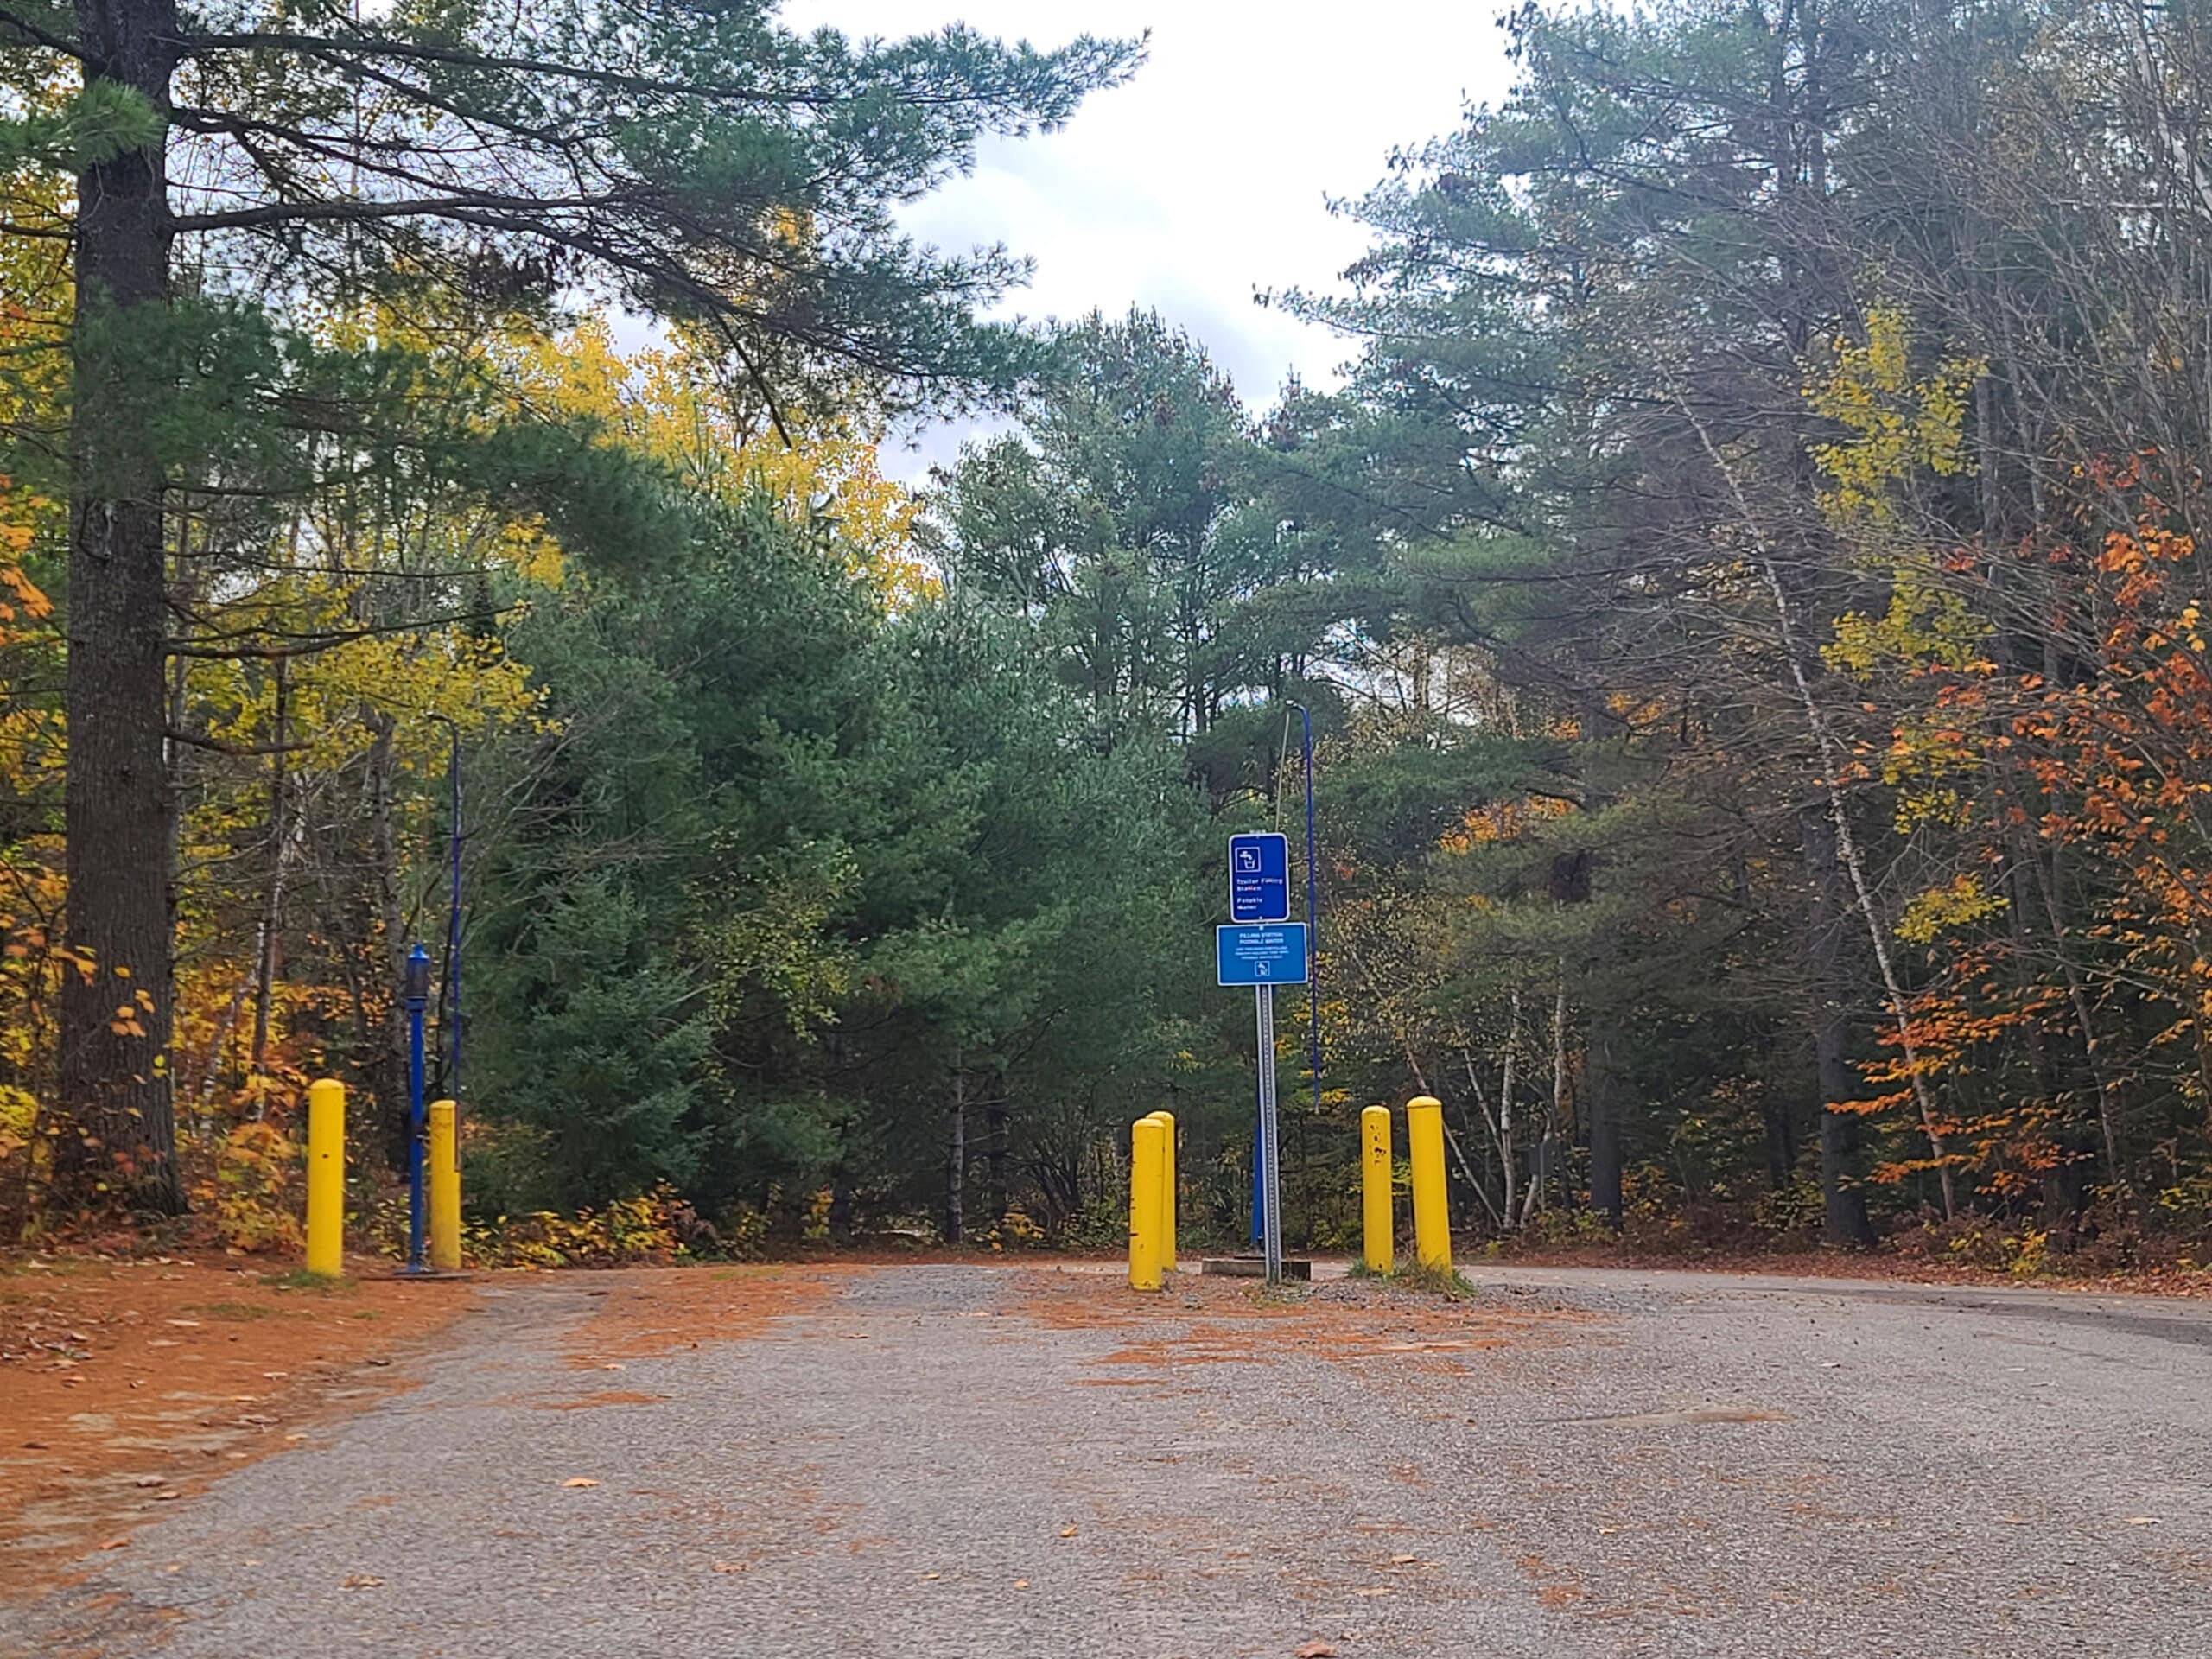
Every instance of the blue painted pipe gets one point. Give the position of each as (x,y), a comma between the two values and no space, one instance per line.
(414,993)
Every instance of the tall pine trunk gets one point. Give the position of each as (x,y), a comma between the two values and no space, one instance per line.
(119,813)
(955,1161)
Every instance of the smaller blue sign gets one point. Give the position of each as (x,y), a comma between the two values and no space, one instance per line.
(1274,954)
(1259,879)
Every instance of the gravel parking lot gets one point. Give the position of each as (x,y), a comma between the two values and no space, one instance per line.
(920,1461)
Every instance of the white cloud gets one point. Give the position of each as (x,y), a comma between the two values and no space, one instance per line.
(1205,178)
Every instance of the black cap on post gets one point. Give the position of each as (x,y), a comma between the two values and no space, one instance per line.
(415,983)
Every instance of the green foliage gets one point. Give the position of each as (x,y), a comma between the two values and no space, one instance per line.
(97,122)
(585,979)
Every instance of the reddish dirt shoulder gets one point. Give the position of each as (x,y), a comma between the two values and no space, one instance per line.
(125,1385)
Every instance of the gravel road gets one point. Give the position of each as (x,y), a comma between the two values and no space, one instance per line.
(949,1462)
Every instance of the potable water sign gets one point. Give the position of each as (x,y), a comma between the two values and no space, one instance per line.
(1274,954)
(1259,879)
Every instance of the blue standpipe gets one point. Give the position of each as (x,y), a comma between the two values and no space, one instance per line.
(1312,976)
(415,996)
(1313,917)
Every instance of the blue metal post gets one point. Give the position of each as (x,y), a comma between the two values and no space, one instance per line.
(1312,974)
(1313,916)
(415,994)
(449,1009)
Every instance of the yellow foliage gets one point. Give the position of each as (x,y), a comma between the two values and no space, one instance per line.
(1897,425)
(648,1228)
(251,1195)
(1501,820)
(1927,624)
(668,404)
(1957,904)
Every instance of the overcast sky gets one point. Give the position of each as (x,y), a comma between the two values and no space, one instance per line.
(1207,176)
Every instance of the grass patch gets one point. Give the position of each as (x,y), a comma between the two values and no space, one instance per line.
(1447,1282)
(301,1279)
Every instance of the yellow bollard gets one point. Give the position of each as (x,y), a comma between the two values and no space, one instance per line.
(1167,1194)
(1381,1222)
(444,1158)
(1425,1146)
(1148,1163)
(327,1178)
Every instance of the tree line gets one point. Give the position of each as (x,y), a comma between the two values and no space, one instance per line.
(1745,589)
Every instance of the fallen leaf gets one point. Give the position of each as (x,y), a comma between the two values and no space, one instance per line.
(166,1497)
(579,1480)
(732,1567)
(1403,1560)
(360,1581)
(117,1543)
(1317,1650)
(185,1324)
(2142,1520)
(151,1480)
(926,1576)
(1067,1532)
(1021,1583)
(1373,1589)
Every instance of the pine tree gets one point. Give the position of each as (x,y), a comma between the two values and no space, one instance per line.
(701,164)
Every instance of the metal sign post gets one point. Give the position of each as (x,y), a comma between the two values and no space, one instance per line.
(1264,957)
(1263,997)
(1259,891)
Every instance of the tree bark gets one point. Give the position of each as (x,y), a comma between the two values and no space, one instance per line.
(955,1161)
(1505,1103)
(998,1199)
(397,1057)
(272,902)
(1843,1202)
(113,1076)
(1604,1115)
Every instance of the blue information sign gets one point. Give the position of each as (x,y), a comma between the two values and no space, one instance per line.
(1273,955)
(1259,879)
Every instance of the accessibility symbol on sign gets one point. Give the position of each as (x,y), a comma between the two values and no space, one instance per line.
(1271,955)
